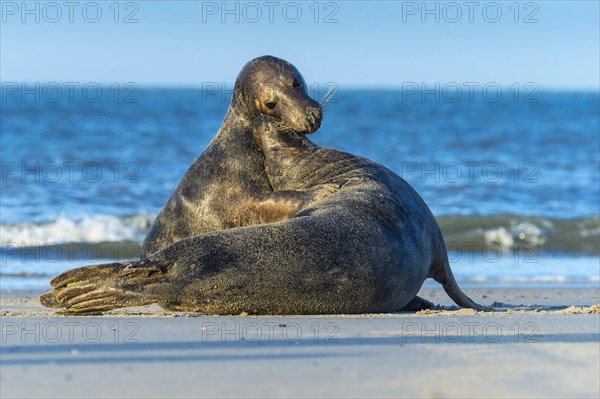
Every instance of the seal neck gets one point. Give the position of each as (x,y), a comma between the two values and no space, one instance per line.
(236,128)
(283,152)
(236,117)
(241,108)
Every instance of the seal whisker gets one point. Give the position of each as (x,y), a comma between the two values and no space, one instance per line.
(283,128)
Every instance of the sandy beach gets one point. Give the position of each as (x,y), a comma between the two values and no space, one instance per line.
(541,342)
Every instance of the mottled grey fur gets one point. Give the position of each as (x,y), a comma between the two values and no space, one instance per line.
(352,236)
(227,186)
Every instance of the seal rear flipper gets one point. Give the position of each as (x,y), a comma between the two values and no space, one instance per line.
(444,276)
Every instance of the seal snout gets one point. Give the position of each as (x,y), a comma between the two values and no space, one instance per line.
(314,116)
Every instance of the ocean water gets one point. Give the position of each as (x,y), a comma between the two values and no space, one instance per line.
(514,183)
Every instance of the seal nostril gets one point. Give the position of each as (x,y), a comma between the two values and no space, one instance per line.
(271,105)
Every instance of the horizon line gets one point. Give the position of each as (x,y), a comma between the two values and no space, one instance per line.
(229,85)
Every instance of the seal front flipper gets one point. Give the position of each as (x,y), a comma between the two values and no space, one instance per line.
(280,205)
(92,289)
(77,281)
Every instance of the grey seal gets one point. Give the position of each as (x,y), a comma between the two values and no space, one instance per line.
(353,237)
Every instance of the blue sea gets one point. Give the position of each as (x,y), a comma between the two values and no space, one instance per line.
(514,183)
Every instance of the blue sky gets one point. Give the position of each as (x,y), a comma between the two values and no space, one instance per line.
(365,44)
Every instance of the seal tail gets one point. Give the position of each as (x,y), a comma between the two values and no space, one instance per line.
(443,275)
(98,288)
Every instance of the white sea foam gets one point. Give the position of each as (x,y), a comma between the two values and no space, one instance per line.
(518,232)
(499,236)
(99,228)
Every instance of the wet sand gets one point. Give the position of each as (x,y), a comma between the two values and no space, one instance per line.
(540,342)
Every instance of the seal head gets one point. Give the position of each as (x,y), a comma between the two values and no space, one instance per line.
(274,87)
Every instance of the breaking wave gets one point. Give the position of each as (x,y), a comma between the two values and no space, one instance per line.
(506,232)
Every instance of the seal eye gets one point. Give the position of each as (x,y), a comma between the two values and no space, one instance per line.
(271,105)
(296,83)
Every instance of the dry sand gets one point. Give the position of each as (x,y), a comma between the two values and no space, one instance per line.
(540,342)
